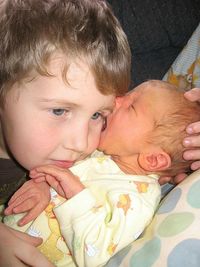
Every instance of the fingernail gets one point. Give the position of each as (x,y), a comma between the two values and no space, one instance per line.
(187,155)
(15,210)
(21,223)
(189,130)
(6,212)
(187,142)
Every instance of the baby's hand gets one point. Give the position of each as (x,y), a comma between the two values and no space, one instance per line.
(31,197)
(193,141)
(62,180)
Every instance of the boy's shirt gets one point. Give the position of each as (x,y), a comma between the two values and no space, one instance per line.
(11,178)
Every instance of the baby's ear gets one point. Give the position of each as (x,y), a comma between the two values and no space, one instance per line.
(156,161)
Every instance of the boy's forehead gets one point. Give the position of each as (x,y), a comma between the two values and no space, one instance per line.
(78,85)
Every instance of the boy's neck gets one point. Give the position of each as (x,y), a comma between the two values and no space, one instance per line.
(3,154)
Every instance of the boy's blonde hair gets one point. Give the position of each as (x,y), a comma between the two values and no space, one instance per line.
(170,130)
(31,31)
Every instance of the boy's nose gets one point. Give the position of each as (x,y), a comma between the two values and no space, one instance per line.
(79,139)
(80,144)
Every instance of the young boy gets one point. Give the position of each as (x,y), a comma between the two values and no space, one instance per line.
(109,200)
(62,64)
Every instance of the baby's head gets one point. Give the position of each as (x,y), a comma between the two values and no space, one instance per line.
(33,31)
(170,128)
(148,126)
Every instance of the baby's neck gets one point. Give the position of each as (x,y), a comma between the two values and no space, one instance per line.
(129,165)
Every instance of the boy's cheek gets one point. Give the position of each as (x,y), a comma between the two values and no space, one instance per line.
(92,146)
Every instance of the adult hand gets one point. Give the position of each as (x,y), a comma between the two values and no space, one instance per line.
(31,197)
(193,140)
(172,179)
(18,249)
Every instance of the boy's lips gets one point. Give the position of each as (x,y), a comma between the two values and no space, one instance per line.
(63,163)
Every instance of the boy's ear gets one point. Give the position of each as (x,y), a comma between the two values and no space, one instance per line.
(157,161)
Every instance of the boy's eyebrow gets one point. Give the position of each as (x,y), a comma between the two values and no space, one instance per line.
(56,101)
(110,109)
(63,102)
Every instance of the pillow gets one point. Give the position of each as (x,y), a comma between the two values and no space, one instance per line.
(173,237)
(185,71)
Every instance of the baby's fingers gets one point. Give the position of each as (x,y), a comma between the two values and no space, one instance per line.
(58,173)
(55,185)
(39,179)
(36,174)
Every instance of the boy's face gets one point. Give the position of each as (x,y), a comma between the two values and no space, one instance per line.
(131,121)
(49,121)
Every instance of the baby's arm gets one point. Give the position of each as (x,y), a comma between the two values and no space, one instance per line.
(102,219)
(31,197)
(18,249)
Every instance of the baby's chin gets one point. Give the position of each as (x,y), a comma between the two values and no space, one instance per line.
(103,140)
(104,145)
(101,147)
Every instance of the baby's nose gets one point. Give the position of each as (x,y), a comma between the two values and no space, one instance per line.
(118,102)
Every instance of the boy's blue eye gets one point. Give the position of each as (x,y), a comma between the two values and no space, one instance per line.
(58,111)
(96,115)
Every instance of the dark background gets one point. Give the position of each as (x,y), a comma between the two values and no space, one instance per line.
(157,31)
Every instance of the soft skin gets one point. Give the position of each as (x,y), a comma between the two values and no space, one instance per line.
(45,121)
(128,126)
(48,121)
(133,117)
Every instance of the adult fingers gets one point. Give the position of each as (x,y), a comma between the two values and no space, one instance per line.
(193,94)
(31,256)
(34,241)
(195,165)
(193,154)
(193,128)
